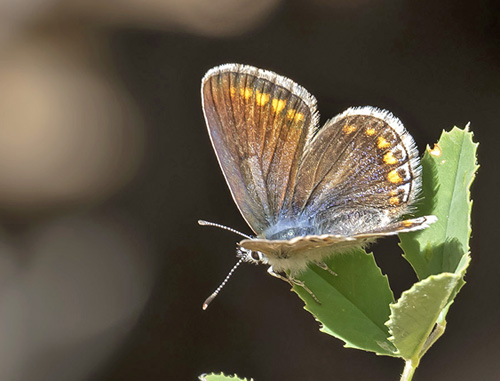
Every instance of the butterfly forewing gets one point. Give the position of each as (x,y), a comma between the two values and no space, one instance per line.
(259,124)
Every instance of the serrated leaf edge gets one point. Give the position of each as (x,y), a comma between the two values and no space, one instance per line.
(412,289)
(392,349)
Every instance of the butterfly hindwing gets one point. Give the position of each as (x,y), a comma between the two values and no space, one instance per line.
(294,245)
(299,244)
(397,227)
(361,166)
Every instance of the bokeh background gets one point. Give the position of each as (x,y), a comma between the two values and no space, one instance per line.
(105,167)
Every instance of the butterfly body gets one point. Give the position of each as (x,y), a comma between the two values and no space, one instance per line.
(293,243)
(307,192)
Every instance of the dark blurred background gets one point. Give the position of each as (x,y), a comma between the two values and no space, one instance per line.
(105,167)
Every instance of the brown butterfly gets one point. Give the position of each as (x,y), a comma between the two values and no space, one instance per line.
(306,192)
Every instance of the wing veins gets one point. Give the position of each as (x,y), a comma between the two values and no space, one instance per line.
(313,189)
(284,191)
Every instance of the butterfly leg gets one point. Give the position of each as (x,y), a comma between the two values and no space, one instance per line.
(323,266)
(292,281)
(303,285)
(276,275)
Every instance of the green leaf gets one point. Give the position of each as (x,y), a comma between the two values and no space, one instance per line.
(354,304)
(221,377)
(448,170)
(415,314)
(357,305)
(440,253)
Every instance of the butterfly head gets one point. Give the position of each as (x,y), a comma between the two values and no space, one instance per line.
(243,255)
(251,256)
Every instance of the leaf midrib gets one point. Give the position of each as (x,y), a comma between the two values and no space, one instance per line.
(382,328)
(452,198)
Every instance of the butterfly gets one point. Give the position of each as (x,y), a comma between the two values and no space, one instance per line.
(306,192)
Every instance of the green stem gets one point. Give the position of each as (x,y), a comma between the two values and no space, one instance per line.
(409,370)
(412,364)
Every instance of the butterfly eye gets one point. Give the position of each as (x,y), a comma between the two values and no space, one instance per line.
(255,256)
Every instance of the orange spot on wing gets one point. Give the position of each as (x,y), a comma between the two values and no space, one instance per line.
(394,201)
(294,115)
(382,143)
(389,158)
(394,177)
(246,92)
(262,98)
(278,105)
(370,131)
(299,117)
(349,128)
